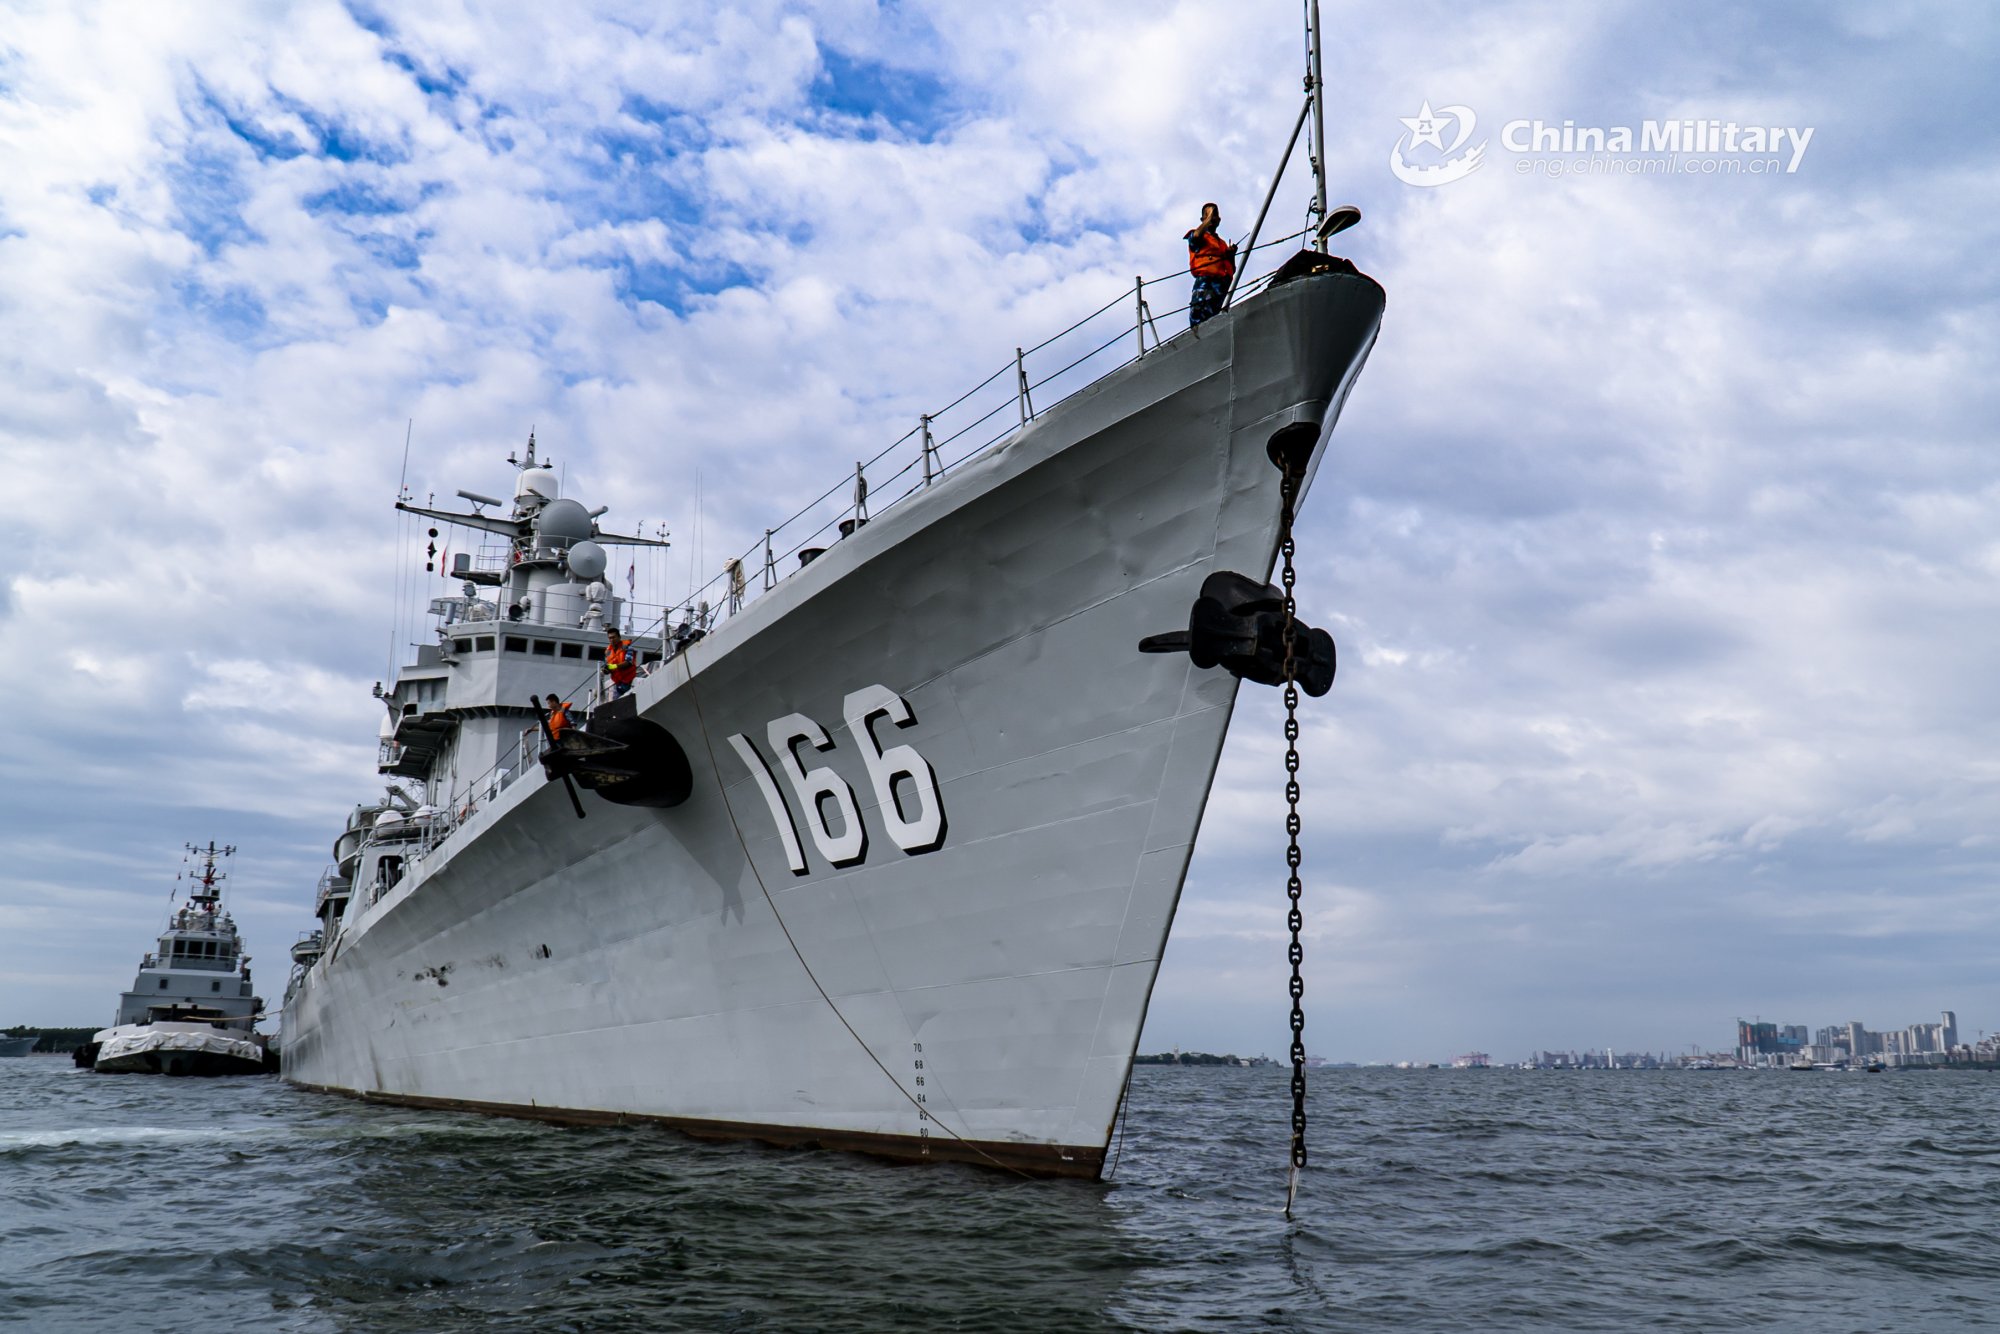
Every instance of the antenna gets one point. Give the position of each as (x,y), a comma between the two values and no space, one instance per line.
(402,532)
(206,891)
(402,482)
(1316,94)
(1312,109)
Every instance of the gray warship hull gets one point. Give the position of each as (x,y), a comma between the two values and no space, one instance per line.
(954,959)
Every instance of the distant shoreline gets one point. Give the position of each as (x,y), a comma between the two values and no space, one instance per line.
(52,1040)
(1203,1058)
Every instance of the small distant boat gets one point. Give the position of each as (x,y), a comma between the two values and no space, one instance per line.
(1803,1063)
(190,1011)
(20,1046)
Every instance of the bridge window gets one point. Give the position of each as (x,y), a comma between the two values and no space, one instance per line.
(215,986)
(514,645)
(485,643)
(597,655)
(572,650)
(461,646)
(163,984)
(545,648)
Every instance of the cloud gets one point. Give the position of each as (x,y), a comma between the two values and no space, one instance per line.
(1658,538)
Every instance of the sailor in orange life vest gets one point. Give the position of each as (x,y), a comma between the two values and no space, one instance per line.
(558,718)
(1212,260)
(620,661)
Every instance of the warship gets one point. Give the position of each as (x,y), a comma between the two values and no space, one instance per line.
(191,1009)
(882,854)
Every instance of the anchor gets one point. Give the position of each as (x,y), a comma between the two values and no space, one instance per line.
(625,760)
(1238,624)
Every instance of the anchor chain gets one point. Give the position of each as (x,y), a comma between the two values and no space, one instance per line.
(1288,491)
(1252,630)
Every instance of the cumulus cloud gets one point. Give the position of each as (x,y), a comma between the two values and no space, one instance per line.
(1658,540)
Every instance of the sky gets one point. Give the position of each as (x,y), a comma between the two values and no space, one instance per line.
(1661,537)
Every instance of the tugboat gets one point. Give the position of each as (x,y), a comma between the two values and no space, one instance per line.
(191,1009)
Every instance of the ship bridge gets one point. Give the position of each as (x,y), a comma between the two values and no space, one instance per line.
(530,620)
(533,616)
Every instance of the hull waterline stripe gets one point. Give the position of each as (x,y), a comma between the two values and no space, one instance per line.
(1026,1160)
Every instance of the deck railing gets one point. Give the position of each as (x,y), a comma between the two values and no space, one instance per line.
(1036,379)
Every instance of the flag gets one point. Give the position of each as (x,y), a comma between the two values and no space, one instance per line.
(632,580)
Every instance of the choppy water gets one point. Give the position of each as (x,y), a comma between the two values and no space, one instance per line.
(1438,1200)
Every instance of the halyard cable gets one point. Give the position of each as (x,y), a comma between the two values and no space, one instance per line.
(1288,491)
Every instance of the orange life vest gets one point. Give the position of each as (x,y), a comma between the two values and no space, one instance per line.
(618,661)
(559,720)
(1208,256)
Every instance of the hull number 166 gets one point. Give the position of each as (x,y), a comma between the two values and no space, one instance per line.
(906,790)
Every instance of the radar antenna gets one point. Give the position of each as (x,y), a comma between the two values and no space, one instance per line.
(208,881)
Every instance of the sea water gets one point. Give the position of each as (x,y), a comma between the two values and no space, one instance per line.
(1461,1200)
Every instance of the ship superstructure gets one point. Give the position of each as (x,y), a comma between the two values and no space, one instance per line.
(199,963)
(533,617)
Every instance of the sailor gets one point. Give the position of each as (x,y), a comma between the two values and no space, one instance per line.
(558,718)
(620,661)
(1212,261)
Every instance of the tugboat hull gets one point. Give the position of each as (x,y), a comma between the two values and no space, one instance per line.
(176,1049)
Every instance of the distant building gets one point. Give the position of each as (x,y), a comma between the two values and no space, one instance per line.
(1754,1039)
(1916,1044)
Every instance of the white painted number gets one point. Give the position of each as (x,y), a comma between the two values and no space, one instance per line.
(817,788)
(795,856)
(926,832)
